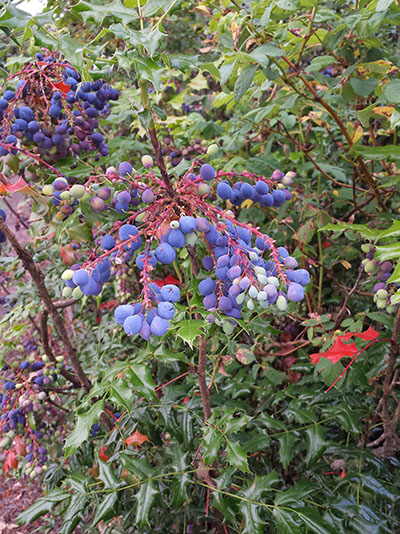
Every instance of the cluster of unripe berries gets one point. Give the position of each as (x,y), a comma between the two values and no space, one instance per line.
(26,415)
(174,155)
(381,271)
(52,110)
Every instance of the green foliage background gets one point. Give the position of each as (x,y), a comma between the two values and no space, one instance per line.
(254,74)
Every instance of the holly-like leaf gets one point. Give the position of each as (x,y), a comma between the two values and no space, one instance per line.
(287,442)
(105,509)
(145,499)
(141,380)
(189,330)
(316,443)
(107,476)
(98,12)
(82,428)
(236,457)
(136,439)
(42,506)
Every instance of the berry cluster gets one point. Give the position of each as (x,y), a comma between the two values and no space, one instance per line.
(174,155)
(260,192)
(28,420)
(3,238)
(247,268)
(80,282)
(51,109)
(381,271)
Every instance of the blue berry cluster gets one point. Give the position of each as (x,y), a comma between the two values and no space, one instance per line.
(247,268)
(56,121)
(79,282)
(260,192)
(3,238)
(137,319)
(25,412)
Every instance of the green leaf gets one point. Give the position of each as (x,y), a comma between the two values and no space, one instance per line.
(145,499)
(312,519)
(166,355)
(181,481)
(236,456)
(383,5)
(392,92)
(152,6)
(244,82)
(376,153)
(253,523)
(264,21)
(211,443)
(362,229)
(149,70)
(319,63)
(395,299)
(363,87)
(189,329)
(139,468)
(387,252)
(82,427)
(316,443)
(140,378)
(98,12)
(42,506)
(329,371)
(395,276)
(105,509)
(370,483)
(107,476)
(287,443)
(73,515)
(121,394)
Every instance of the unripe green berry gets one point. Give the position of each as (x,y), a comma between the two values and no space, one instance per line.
(370,267)
(67,274)
(65,195)
(281,303)
(366,247)
(77,191)
(203,189)
(212,150)
(47,190)
(191,238)
(77,293)
(228,327)
(381,304)
(240,298)
(67,292)
(391,308)
(382,294)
